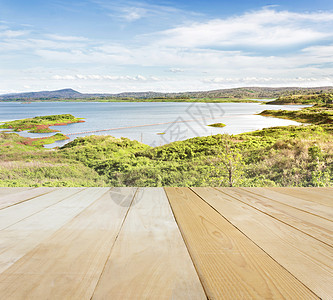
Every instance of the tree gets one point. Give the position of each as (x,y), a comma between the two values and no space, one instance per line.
(228,165)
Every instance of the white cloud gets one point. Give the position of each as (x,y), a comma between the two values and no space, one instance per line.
(105,77)
(230,52)
(13,33)
(131,14)
(131,11)
(267,27)
(66,38)
(176,70)
(269,81)
(320,51)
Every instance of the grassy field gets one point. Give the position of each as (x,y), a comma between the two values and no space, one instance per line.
(41,124)
(279,156)
(304,99)
(317,114)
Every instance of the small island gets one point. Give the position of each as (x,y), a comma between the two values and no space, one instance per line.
(217,125)
(311,99)
(320,113)
(41,124)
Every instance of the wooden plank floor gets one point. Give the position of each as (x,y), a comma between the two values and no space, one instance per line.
(166,243)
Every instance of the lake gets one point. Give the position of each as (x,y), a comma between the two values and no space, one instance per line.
(153,123)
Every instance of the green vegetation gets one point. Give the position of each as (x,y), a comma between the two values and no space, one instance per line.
(312,99)
(317,114)
(279,156)
(217,125)
(41,124)
(24,162)
(221,94)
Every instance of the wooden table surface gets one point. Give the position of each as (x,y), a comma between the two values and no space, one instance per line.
(166,243)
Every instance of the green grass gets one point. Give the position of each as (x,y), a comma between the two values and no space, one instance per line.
(279,156)
(217,125)
(318,114)
(41,124)
(312,99)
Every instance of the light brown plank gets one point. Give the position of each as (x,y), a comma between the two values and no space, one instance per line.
(309,260)
(230,265)
(21,237)
(69,263)
(315,226)
(149,259)
(12,190)
(25,195)
(14,214)
(308,206)
(323,196)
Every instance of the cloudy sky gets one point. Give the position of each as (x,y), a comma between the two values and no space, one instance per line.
(184,45)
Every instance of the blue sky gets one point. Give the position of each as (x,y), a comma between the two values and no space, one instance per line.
(115,46)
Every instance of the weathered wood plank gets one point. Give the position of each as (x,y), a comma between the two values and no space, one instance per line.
(14,214)
(69,263)
(12,190)
(301,204)
(25,195)
(309,260)
(310,224)
(149,259)
(21,237)
(229,264)
(322,196)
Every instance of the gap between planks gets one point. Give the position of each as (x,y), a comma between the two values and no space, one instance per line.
(309,260)
(229,264)
(312,225)
(149,259)
(309,207)
(68,264)
(22,196)
(21,237)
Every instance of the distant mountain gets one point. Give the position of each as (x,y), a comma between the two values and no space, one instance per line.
(260,92)
(242,93)
(64,93)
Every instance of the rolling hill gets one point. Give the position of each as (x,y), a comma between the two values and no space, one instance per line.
(237,93)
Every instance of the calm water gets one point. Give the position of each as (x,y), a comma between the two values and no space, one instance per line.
(180,120)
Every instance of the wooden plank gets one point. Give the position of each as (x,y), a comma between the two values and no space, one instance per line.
(149,259)
(315,226)
(21,237)
(308,206)
(229,264)
(25,195)
(323,196)
(69,263)
(309,260)
(14,214)
(12,190)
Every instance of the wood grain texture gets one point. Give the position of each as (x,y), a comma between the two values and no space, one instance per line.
(21,196)
(19,238)
(16,213)
(69,263)
(230,265)
(12,190)
(301,204)
(149,259)
(309,260)
(323,196)
(310,224)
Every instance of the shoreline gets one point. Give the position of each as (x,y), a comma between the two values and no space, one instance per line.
(91,132)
